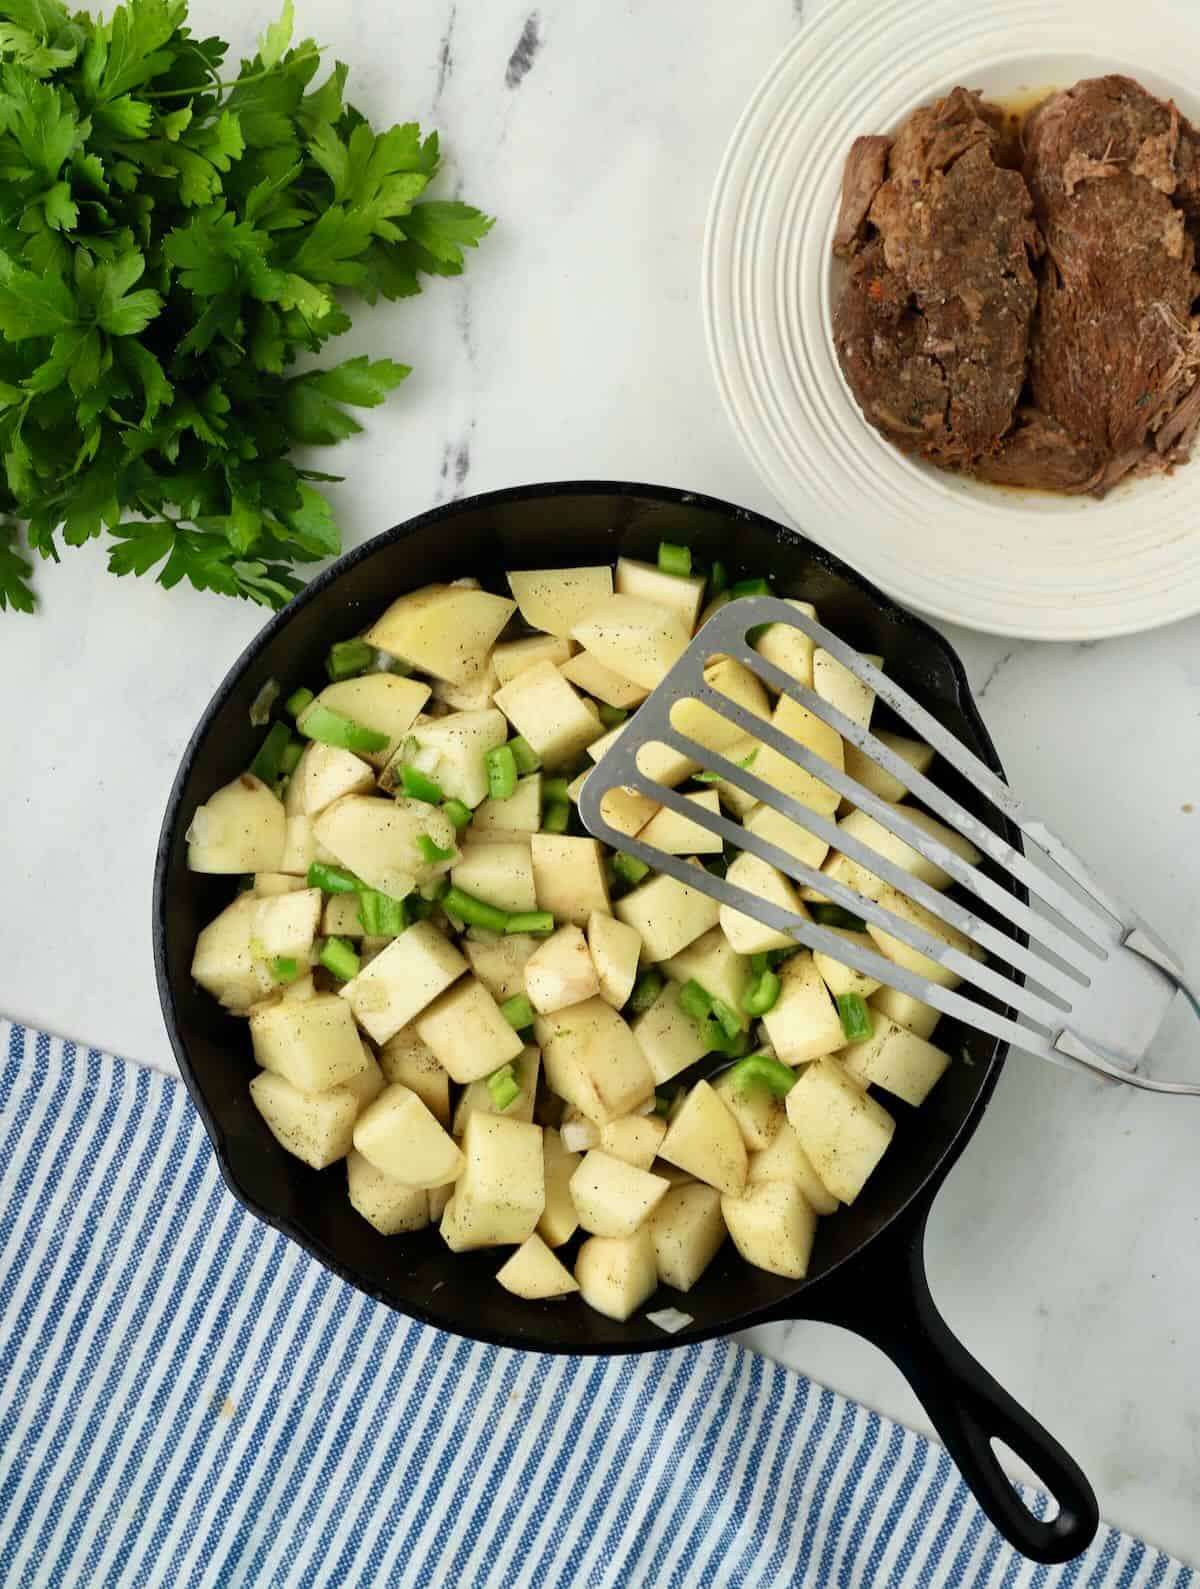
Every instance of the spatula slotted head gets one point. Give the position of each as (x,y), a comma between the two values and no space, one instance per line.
(710,719)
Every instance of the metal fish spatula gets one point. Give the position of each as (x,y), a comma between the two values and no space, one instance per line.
(1088,982)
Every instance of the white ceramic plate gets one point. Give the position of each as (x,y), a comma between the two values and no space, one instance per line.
(1018,563)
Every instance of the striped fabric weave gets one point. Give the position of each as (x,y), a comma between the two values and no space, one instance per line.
(188,1399)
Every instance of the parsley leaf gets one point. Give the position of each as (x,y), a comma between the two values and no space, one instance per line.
(174,235)
(15,590)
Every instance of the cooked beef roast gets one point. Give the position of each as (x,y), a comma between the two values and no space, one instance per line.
(1116,345)
(935,329)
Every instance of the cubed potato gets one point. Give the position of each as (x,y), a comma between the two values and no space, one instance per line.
(615,950)
(623,809)
(520,813)
(549,714)
(896,1060)
(399,983)
(774,828)
(560,972)
(791,650)
(705,1140)
(555,599)
(639,639)
(399,1136)
(612,1197)
(455,747)
(314,1127)
(501,1192)
(814,735)
(341,916)
(656,760)
(533,1272)
(302,989)
(500,962)
(684,593)
(843,1130)
(313,1044)
(840,978)
(757,1110)
(876,778)
(377,840)
(324,774)
(514,656)
(299,846)
(715,964)
(687,1229)
(467,1032)
(223,963)
(668,1036)
(446,631)
(240,828)
(268,884)
(709,727)
(746,935)
(366,1085)
(868,831)
(592,1059)
(915,1016)
(500,873)
(835,683)
(672,1172)
(804,1023)
(616,1274)
(558,1221)
(772,1227)
(391,1206)
(783,1159)
(899,953)
(593,678)
(668,915)
(285,925)
(476,695)
(635,1139)
(568,875)
(679,835)
(746,753)
(407,1059)
(476,1096)
(379,701)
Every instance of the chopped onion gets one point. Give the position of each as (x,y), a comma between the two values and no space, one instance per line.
(671,1320)
(261,705)
(578,1134)
(426,759)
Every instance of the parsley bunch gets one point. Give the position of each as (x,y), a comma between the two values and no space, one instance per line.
(172,238)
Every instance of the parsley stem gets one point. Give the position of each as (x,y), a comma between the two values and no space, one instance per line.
(240,82)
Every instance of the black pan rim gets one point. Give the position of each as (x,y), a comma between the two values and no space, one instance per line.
(793,1304)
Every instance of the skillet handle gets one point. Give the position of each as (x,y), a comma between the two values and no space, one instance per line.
(965,1404)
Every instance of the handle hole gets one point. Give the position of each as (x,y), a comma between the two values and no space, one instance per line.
(1045,1511)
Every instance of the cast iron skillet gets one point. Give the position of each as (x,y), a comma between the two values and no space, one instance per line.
(868,1272)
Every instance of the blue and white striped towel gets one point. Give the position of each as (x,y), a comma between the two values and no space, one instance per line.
(188,1399)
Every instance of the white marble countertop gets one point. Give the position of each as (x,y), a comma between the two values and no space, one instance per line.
(1064,1247)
